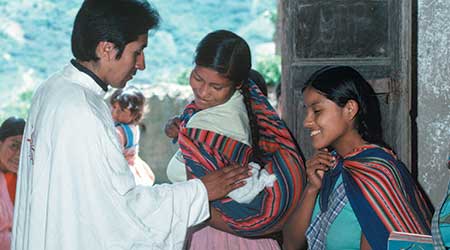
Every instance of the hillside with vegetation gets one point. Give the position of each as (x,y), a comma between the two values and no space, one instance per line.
(35,41)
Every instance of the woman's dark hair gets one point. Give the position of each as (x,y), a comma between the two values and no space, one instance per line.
(278,92)
(341,84)
(11,127)
(132,99)
(259,80)
(117,21)
(229,55)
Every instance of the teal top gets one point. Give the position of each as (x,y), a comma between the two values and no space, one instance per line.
(444,220)
(345,232)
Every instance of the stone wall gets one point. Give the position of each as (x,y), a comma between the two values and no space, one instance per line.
(433,120)
(163,102)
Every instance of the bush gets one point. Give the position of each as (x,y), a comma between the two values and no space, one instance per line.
(270,68)
(18,106)
(183,77)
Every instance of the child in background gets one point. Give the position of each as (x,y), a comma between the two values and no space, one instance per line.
(127,108)
(11,132)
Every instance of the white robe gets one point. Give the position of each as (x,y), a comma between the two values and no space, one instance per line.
(75,189)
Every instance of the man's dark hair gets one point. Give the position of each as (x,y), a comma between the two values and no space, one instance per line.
(117,21)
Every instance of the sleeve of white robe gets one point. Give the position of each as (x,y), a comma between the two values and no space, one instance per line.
(78,193)
(165,211)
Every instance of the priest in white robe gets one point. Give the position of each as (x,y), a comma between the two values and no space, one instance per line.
(75,190)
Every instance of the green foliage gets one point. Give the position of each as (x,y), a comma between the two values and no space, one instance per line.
(183,77)
(270,67)
(273,16)
(18,106)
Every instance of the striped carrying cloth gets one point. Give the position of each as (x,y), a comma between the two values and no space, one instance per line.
(206,151)
(383,195)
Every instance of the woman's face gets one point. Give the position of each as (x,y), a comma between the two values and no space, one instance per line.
(329,124)
(10,153)
(209,87)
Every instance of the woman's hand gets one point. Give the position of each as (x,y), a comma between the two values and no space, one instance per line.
(295,228)
(316,166)
(172,127)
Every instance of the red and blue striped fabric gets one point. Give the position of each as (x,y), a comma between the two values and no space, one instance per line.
(206,151)
(384,196)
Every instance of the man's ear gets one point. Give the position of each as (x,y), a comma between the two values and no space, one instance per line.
(106,50)
(351,108)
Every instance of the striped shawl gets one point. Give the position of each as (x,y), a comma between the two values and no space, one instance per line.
(206,151)
(383,195)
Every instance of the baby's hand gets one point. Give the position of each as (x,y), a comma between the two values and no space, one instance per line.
(172,127)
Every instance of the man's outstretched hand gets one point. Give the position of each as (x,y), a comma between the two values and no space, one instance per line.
(219,183)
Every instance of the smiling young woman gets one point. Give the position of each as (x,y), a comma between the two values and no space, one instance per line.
(358,191)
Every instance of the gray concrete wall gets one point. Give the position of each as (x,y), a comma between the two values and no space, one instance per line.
(434,95)
(163,102)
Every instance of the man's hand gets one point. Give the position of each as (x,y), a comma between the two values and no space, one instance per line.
(219,183)
(172,127)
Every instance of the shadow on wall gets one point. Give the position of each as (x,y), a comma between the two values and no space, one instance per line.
(163,102)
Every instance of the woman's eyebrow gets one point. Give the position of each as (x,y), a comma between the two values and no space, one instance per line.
(197,74)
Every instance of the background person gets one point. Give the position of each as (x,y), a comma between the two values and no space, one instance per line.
(127,110)
(11,132)
(279,100)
